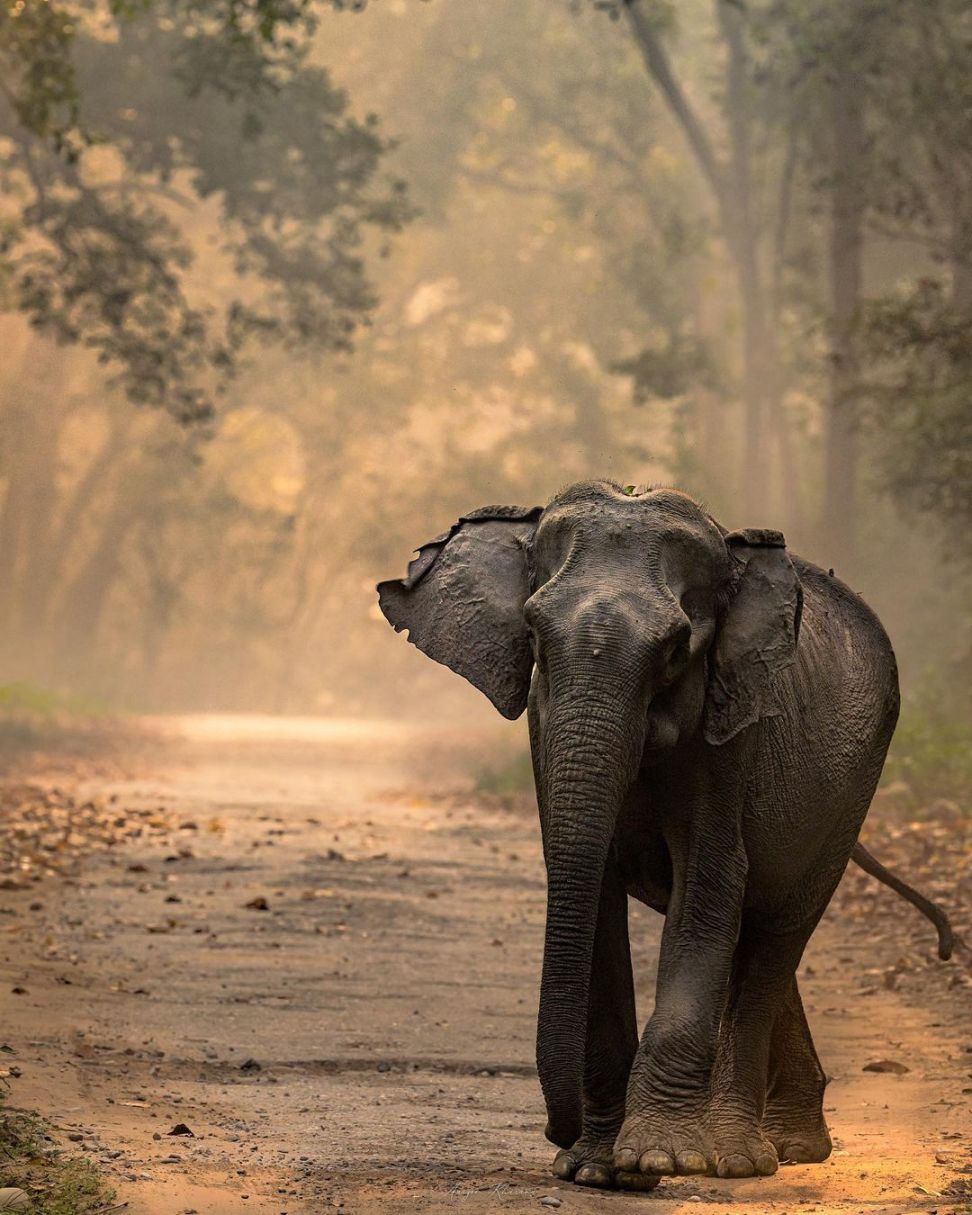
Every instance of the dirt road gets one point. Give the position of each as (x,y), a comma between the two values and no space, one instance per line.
(323,959)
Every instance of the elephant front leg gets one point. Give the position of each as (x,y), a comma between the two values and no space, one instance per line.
(612,1039)
(665,1129)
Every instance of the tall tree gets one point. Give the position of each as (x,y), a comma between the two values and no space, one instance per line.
(848,209)
(116,125)
(729,178)
(180,184)
(917,336)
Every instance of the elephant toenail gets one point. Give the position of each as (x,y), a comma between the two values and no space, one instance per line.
(656,1162)
(766,1164)
(627,1160)
(691,1162)
(735,1166)
(563,1166)
(594,1174)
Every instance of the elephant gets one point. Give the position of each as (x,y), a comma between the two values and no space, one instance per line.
(708,717)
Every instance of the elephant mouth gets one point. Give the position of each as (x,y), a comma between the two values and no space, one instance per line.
(662,731)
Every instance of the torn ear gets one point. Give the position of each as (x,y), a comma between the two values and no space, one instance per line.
(757,637)
(462,602)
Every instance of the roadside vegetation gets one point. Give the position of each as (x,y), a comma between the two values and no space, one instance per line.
(931,753)
(930,759)
(38,722)
(51,1181)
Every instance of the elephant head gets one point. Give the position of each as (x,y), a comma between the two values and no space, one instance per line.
(634,625)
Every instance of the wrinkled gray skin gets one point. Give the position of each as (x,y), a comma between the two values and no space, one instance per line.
(709,715)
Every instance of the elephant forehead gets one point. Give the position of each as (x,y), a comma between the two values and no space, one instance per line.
(657,530)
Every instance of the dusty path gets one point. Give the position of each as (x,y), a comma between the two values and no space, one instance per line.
(366,1042)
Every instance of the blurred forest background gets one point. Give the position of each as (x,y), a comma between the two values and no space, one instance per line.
(287,286)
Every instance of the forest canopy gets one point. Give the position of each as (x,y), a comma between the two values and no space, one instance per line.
(716,244)
(119,124)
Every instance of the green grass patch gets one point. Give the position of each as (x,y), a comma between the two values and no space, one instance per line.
(931,753)
(932,747)
(56,1183)
(36,719)
(509,776)
(22,699)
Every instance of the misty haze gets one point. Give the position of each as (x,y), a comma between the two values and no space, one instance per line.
(286,291)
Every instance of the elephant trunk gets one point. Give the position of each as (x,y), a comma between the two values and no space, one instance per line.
(586,771)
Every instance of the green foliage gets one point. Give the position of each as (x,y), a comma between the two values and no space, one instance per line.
(919,349)
(35,719)
(511,776)
(259,40)
(931,752)
(28,699)
(57,1184)
(932,746)
(42,85)
(921,87)
(565,231)
(661,12)
(111,138)
(681,364)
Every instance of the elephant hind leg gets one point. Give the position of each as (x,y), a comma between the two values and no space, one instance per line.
(762,970)
(793,1119)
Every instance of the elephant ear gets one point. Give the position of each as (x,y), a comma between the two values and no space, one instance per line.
(757,637)
(462,602)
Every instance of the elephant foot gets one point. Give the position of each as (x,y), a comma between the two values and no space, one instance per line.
(590,1162)
(664,1146)
(742,1147)
(745,1155)
(798,1138)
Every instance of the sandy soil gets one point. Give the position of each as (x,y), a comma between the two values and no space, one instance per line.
(365,1042)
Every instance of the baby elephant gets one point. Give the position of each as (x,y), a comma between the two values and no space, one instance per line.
(709,715)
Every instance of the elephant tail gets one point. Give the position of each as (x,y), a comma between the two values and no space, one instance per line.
(943,925)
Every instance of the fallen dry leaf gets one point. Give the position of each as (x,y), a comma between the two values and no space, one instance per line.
(890,1066)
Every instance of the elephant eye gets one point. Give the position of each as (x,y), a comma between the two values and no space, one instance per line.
(697,602)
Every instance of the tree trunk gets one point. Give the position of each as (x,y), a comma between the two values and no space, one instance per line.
(962,284)
(591,429)
(16,433)
(731,188)
(757,378)
(846,277)
(29,455)
(788,500)
(961,259)
(83,601)
(759,355)
(43,591)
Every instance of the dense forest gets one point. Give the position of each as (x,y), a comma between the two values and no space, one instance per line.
(288,287)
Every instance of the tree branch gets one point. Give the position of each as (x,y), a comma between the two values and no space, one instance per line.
(556,118)
(783,214)
(501,181)
(660,69)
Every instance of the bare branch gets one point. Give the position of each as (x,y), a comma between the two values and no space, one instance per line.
(660,68)
(503,181)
